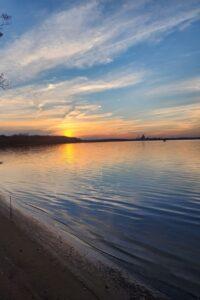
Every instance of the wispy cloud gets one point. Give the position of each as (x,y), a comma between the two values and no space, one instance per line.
(61,99)
(187,86)
(84,36)
(58,105)
(174,121)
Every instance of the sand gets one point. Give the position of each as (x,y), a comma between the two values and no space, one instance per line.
(27,271)
(33,268)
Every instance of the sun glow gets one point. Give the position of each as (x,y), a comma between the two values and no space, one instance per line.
(68,133)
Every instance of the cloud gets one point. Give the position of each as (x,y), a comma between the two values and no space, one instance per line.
(55,106)
(176,119)
(173,121)
(84,35)
(187,86)
(181,120)
(61,99)
(86,120)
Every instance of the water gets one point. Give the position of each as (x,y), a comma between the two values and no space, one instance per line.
(137,202)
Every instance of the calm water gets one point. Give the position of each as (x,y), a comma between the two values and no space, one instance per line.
(139,202)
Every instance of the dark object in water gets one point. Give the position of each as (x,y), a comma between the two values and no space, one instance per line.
(1,162)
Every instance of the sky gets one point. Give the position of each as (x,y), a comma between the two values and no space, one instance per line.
(101,68)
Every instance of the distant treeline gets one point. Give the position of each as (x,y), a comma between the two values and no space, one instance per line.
(31,140)
(142,138)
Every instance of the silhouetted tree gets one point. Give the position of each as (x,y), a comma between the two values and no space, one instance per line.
(4,83)
(4,20)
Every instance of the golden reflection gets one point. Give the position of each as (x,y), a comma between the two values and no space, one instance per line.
(95,155)
(68,152)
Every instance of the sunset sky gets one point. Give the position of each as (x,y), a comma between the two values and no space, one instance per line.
(103,68)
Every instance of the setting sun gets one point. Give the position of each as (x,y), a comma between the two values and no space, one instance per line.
(68,133)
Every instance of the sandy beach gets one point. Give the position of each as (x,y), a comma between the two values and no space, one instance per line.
(34,269)
(27,271)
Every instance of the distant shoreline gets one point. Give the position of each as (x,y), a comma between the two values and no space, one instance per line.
(140,140)
(47,140)
(34,140)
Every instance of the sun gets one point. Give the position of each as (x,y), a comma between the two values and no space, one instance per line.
(68,133)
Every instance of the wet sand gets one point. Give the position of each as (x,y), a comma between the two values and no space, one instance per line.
(30,270)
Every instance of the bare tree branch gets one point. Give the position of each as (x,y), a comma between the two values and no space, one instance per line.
(4,83)
(4,20)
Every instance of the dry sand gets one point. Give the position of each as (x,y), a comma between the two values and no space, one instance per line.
(27,271)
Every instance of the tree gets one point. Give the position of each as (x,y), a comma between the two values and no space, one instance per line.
(4,83)
(4,21)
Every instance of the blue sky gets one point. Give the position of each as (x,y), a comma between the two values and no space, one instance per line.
(101,68)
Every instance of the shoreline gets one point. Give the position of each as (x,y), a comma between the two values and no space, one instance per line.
(40,143)
(27,271)
(37,263)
